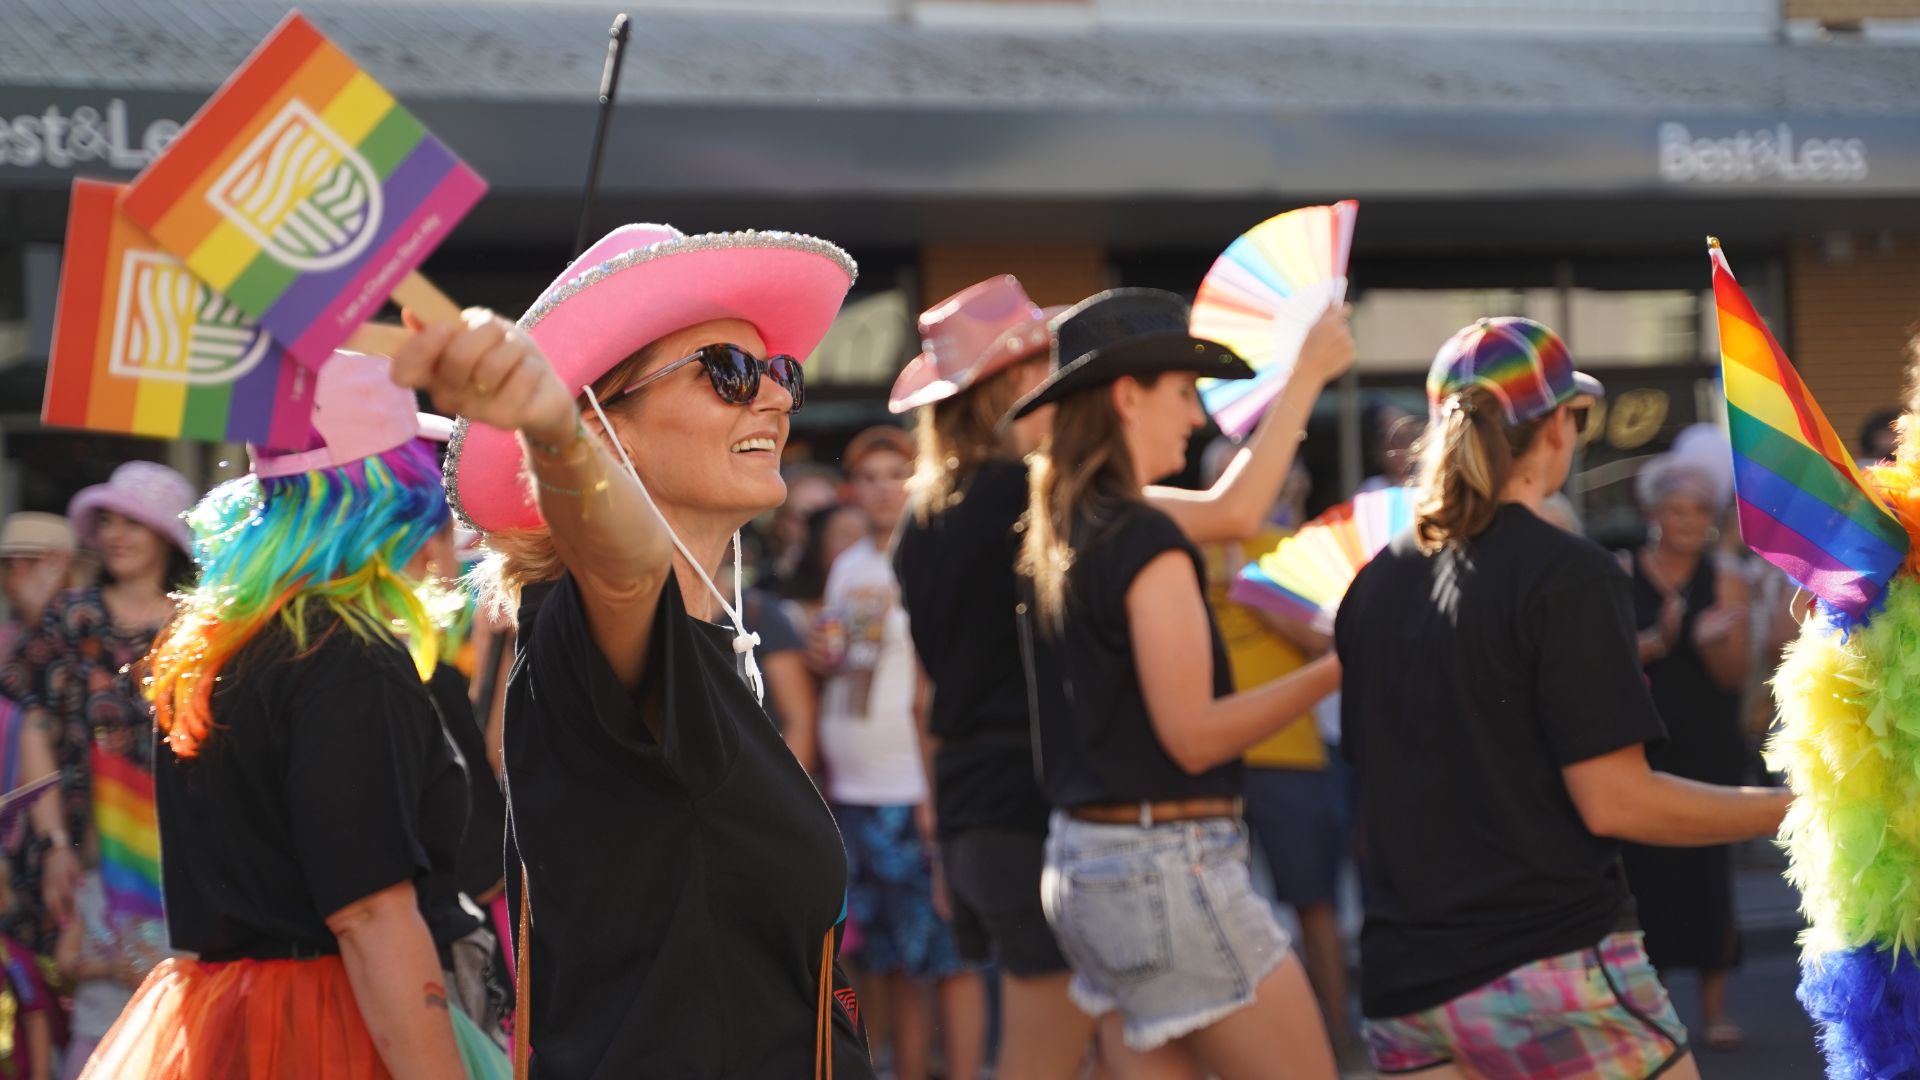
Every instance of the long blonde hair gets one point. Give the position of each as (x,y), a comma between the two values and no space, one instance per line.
(1466,458)
(960,434)
(1082,473)
(517,558)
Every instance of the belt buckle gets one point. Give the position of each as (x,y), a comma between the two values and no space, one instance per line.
(1146,815)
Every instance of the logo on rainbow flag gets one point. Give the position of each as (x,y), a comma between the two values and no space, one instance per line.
(142,346)
(168,325)
(303,192)
(306,197)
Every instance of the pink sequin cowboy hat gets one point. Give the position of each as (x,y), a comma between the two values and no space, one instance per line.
(636,285)
(977,332)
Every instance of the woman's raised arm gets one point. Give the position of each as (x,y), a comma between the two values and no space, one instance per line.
(604,527)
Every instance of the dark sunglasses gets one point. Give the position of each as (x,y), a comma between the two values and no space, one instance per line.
(1579,414)
(735,374)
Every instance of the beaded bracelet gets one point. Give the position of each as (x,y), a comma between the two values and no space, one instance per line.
(579,433)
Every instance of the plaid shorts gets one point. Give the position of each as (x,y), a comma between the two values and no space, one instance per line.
(1598,1013)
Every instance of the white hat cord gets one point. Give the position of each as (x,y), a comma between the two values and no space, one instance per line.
(743,642)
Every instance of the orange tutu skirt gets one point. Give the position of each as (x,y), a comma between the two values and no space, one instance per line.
(246,1020)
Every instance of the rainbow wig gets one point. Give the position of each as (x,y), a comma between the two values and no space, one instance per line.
(1849,745)
(282,548)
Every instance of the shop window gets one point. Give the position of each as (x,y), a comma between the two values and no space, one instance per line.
(871,339)
(1397,330)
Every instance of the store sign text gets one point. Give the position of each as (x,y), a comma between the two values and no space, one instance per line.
(60,139)
(1759,154)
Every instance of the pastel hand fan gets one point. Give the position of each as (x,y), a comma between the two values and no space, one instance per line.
(1305,577)
(1262,296)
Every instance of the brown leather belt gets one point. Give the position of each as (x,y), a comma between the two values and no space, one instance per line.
(1148,814)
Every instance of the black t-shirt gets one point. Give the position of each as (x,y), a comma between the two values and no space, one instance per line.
(958,585)
(479,867)
(683,889)
(1470,678)
(325,781)
(1107,750)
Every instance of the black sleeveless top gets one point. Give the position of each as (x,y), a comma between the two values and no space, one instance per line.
(1104,749)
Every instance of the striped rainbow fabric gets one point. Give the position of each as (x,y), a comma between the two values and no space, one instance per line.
(303,192)
(129,829)
(1804,506)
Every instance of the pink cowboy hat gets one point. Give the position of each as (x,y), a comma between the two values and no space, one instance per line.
(978,331)
(640,283)
(357,412)
(146,491)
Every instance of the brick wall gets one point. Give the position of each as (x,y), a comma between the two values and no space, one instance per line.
(1051,275)
(1851,315)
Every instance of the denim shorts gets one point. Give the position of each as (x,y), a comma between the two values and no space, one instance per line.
(1160,924)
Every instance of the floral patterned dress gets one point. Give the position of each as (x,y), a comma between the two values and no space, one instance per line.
(75,676)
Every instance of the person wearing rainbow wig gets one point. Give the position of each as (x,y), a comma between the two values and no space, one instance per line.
(304,787)
(1848,742)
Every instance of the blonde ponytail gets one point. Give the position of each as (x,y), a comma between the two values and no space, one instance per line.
(1466,458)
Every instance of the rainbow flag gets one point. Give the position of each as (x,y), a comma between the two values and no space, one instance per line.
(1804,505)
(129,830)
(303,192)
(142,346)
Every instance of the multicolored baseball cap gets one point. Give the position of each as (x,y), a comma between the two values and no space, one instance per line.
(1519,361)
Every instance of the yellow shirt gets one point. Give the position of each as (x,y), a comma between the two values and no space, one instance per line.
(1258,655)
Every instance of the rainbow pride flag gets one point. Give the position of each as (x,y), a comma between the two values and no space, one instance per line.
(303,192)
(1804,506)
(129,830)
(142,346)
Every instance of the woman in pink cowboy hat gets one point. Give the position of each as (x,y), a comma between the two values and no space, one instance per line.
(984,349)
(73,676)
(683,880)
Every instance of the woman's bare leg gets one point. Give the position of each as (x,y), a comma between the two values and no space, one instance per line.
(1279,1037)
(912,1026)
(1043,1034)
(963,1024)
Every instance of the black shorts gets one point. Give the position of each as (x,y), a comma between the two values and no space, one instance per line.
(993,878)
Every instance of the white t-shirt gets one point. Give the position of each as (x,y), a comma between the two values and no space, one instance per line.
(868,740)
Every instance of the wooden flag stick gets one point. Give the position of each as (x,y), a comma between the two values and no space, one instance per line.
(414,293)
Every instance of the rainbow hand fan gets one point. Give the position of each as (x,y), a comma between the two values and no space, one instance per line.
(1307,574)
(1262,296)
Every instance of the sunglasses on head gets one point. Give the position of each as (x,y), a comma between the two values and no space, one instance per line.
(735,374)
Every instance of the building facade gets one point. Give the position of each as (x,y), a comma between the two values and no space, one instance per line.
(1562,159)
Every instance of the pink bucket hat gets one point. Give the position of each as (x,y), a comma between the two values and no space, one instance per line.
(978,331)
(638,284)
(146,491)
(358,412)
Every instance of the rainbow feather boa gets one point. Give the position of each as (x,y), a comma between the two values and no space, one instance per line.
(1849,745)
(333,539)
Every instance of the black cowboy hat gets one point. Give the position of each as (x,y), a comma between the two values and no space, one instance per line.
(1124,332)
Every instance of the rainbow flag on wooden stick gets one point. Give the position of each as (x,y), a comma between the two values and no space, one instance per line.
(142,346)
(129,830)
(1804,506)
(306,195)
